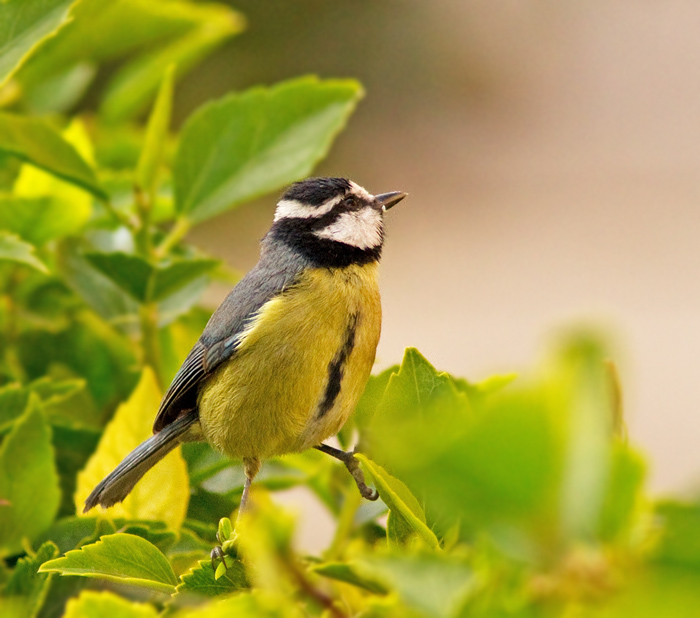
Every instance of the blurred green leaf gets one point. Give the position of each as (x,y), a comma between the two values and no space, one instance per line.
(61,91)
(134,85)
(200,580)
(91,604)
(680,536)
(26,583)
(350,574)
(145,282)
(13,402)
(156,135)
(248,144)
(12,249)
(27,470)
(404,507)
(39,219)
(122,558)
(35,141)
(23,25)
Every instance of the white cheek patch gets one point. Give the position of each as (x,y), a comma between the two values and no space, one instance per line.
(291,209)
(359,228)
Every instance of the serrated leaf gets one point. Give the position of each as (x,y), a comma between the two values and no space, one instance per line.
(23,25)
(35,141)
(134,85)
(13,249)
(163,493)
(401,502)
(249,144)
(27,583)
(156,135)
(123,558)
(92,604)
(27,470)
(201,580)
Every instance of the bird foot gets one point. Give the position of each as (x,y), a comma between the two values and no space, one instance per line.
(353,466)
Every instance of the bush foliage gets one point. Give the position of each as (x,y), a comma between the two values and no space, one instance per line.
(499,498)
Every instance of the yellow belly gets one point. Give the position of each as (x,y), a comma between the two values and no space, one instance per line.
(273,396)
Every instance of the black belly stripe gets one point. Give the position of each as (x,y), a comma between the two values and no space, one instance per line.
(336,368)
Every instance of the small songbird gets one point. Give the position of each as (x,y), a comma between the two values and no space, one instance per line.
(283,361)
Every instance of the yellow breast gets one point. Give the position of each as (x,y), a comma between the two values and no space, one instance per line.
(300,369)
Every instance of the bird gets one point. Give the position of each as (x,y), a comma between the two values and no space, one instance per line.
(283,361)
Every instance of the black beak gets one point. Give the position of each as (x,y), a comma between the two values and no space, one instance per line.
(387,200)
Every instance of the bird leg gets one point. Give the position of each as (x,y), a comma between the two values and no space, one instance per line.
(353,467)
(251,467)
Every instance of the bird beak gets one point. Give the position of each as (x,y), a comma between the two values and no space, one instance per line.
(387,200)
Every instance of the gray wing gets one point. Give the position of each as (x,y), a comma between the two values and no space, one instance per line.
(276,271)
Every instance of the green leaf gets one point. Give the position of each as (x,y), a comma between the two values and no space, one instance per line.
(27,583)
(92,604)
(39,219)
(23,25)
(134,84)
(200,580)
(402,504)
(350,574)
(156,135)
(680,539)
(122,558)
(27,471)
(145,282)
(249,144)
(169,279)
(12,249)
(130,272)
(36,142)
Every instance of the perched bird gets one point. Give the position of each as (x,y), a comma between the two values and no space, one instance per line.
(283,361)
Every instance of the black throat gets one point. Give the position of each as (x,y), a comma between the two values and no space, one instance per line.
(321,252)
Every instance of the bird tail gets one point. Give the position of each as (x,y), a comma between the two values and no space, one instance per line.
(118,483)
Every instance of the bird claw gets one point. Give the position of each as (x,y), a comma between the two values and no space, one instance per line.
(217,554)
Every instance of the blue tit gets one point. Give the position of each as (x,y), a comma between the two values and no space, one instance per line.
(283,361)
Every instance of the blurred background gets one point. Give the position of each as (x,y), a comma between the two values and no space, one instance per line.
(552,155)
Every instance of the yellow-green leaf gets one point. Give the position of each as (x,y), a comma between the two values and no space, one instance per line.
(163,493)
(92,604)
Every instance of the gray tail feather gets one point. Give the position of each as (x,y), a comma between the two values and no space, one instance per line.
(118,483)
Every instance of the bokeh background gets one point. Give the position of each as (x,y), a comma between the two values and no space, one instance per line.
(552,155)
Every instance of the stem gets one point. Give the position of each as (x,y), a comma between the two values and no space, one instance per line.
(176,234)
(345,523)
(320,597)
(119,217)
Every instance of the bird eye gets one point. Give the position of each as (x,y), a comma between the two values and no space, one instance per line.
(349,202)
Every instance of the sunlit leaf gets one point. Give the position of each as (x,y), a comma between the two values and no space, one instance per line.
(92,604)
(27,470)
(248,144)
(35,141)
(200,580)
(402,504)
(13,249)
(26,583)
(23,25)
(123,558)
(163,493)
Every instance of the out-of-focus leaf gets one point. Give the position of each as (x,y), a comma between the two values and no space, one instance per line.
(130,272)
(60,92)
(23,25)
(434,584)
(163,492)
(13,403)
(70,532)
(372,397)
(156,135)
(92,604)
(256,142)
(36,142)
(133,86)
(623,494)
(45,207)
(256,603)
(13,249)
(402,504)
(123,558)
(581,388)
(350,574)
(145,282)
(200,580)
(27,470)
(73,446)
(25,584)
(680,538)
